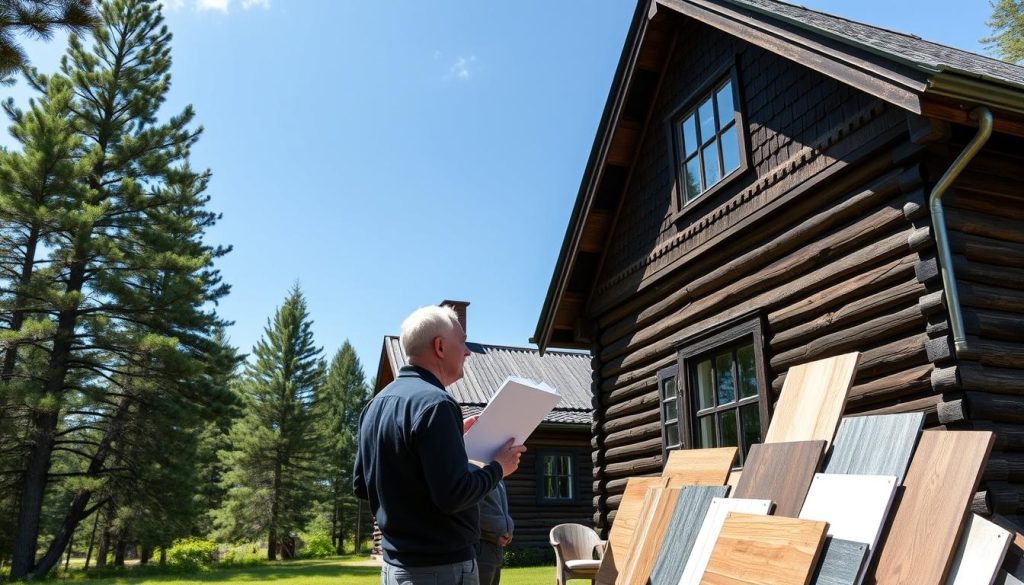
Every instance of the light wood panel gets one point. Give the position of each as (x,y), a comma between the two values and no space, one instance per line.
(658,508)
(979,554)
(687,518)
(943,476)
(875,445)
(709,530)
(780,472)
(764,550)
(812,400)
(840,563)
(855,506)
(621,534)
(699,466)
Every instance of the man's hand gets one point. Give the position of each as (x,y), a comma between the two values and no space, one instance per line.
(508,457)
(468,422)
(504,540)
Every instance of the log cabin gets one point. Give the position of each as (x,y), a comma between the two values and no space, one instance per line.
(553,483)
(771,185)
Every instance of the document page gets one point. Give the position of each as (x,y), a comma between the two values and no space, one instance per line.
(516,409)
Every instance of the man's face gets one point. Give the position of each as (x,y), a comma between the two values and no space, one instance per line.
(454,354)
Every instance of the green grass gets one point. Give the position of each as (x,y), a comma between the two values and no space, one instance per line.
(335,571)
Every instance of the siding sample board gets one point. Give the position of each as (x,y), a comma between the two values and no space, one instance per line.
(681,534)
(764,550)
(780,472)
(1005,578)
(621,533)
(980,553)
(812,400)
(658,508)
(930,513)
(709,530)
(875,445)
(841,562)
(855,506)
(699,466)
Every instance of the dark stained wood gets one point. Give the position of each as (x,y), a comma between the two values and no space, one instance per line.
(780,472)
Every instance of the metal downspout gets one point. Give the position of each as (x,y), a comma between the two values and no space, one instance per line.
(956,317)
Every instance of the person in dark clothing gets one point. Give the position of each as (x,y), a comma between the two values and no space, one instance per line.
(496,527)
(411,461)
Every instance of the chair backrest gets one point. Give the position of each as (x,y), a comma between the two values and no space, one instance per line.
(575,540)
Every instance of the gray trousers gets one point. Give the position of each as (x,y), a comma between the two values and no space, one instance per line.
(490,558)
(464,573)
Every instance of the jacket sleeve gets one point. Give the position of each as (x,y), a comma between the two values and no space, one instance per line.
(437,439)
(358,479)
(494,518)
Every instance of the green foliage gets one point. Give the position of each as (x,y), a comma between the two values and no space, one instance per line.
(317,546)
(1007,24)
(246,554)
(191,554)
(38,19)
(525,556)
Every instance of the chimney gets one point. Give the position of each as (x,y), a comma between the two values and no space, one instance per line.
(460,309)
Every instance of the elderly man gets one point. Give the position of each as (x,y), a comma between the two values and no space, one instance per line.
(411,461)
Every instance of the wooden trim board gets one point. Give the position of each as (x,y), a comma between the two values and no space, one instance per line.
(812,400)
(621,534)
(658,508)
(699,466)
(875,445)
(764,550)
(940,483)
(709,530)
(780,472)
(980,553)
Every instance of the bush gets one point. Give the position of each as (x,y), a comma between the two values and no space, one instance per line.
(317,546)
(191,554)
(246,554)
(523,556)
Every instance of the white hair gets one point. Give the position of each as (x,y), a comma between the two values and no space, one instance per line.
(424,324)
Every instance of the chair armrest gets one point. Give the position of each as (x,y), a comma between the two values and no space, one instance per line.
(600,548)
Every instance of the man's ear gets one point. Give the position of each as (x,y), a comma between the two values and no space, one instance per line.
(439,346)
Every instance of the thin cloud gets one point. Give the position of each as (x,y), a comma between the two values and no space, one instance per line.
(462,68)
(222,6)
(218,5)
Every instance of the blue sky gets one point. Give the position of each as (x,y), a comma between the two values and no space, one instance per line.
(387,155)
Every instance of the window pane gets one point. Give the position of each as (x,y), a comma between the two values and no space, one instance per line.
(671,412)
(726,110)
(727,422)
(566,465)
(689,135)
(707,431)
(563,489)
(705,386)
(710,157)
(671,436)
(668,388)
(549,487)
(549,465)
(726,384)
(730,151)
(692,172)
(706,112)
(748,371)
(750,417)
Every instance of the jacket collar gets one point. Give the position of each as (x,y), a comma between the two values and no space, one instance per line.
(411,371)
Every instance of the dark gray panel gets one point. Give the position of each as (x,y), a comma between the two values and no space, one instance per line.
(840,562)
(687,518)
(1005,578)
(875,445)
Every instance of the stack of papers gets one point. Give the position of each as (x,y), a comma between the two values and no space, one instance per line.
(517,408)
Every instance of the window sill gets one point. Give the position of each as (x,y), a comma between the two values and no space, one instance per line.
(687,209)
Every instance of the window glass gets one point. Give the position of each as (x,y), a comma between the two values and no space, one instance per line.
(727,422)
(690,135)
(709,141)
(672,435)
(723,97)
(557,474)
(750,417)
(692,173)
(710,157)
(668,388)
(671,410)
(708,437)
(730,151)
(706,113)
(747,371)
(705,385)
(726,384)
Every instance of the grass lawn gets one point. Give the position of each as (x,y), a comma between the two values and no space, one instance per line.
(336,571)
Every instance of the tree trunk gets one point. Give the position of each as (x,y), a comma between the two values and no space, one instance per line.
(335,540)
(120,548)
(145,554)
(359,526)
(163,556)
(18,314)
(272,544)
(92,539)
(101,553)
(274,510)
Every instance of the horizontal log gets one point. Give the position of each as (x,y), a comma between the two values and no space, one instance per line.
(633,435)
(991,274)
(630,451)
(617,424)
(642,402)
(998,195)
(988,250)
(987,296)
(980,377)
(981,503)
(928,404)
(984,406)
(879,277)
(1004,497)
(997,325)
(894,356)
(637,388)
(633,313)
(997,226)
(641,375)
(889,298)
(991,352)
(902,383)
(1008,436)
(1004,466)
(633,467)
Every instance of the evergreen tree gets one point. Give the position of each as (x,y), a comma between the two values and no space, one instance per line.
(1007,24)
(121,310)
(344,395)
(37,18)
(272,464)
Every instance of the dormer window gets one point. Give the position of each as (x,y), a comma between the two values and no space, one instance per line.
(708,140)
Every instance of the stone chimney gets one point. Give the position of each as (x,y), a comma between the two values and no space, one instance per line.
(460,309)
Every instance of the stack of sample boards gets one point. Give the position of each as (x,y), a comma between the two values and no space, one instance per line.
(823,500)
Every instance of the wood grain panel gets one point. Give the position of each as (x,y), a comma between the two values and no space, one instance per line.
(658,508)
(780,472)
(979,554)
(812,400)
(855,506)
(875,445)
(764,550)
(699,466)
(943,476)
(841,562)
(709,530)
(687,518)
(621,534)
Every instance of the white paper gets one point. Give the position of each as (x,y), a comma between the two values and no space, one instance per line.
(514,412)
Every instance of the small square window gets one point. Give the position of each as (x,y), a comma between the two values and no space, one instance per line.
(556,477)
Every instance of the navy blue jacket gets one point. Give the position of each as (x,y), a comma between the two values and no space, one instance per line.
(411,465)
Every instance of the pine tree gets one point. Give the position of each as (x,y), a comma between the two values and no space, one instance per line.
(272,464)
(37,18)
(344,395)
(1007,24)
(123,304)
